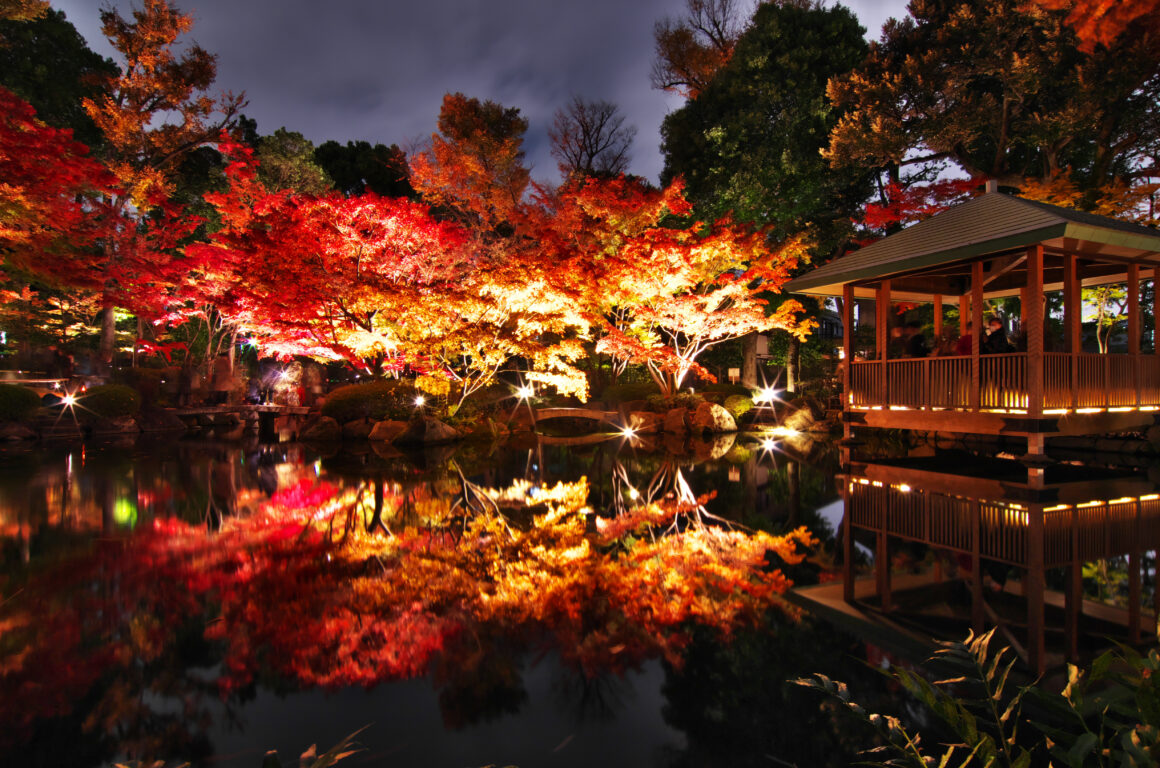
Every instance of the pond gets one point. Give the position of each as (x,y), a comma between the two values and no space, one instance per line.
(208,602)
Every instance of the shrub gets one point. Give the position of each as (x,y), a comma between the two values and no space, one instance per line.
(738,405)
(374,400)
(17,403)
(728,389)
(633,390)
(147,382)
(662,404)
(108,401)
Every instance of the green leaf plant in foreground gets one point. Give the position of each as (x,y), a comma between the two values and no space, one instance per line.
(1108,715)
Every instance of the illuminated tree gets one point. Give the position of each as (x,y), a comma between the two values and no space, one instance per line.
(23,10)
(154,113)
(661,293)
(475,164)
(44,174)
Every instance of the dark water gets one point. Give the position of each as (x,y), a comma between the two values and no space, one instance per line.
(123,660)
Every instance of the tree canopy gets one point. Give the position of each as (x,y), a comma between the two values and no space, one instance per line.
(748,143)
(1001,89)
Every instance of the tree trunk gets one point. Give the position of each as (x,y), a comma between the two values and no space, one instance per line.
(749,360)
(108,340)
(793,358)
(140,335)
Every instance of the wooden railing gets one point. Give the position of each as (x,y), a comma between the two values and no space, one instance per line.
(1078,534)
(1069,381)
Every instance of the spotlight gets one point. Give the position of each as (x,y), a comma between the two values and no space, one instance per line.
(525,391)
(419,400)
(765,395)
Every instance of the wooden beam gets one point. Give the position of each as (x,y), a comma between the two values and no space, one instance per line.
(1002,266)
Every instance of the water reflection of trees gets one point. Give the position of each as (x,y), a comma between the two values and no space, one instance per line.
(419,568)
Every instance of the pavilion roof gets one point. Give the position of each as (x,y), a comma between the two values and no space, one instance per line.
(989,224)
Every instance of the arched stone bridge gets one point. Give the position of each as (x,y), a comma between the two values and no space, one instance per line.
(612,418)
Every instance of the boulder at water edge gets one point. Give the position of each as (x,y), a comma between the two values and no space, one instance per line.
(676,421)
(13,432)
(387,431)
(427,429)
(322,430)
(710,417)
(357,430)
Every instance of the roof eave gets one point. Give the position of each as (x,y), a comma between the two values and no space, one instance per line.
(831,285)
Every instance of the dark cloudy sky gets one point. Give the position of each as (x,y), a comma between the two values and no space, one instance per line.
(377,69)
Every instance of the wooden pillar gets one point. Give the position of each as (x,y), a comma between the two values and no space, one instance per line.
(977,332)
(1071,321)
(938,323)
(1033,589)
(847,540)
(1033,323)
(882,307)
(1134,325)
(848,352)
(964,314)
(1134,567)
(978,608)
(1073,594)
(882,570)
(1133,309)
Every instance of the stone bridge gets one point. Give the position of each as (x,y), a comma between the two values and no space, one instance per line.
(611,418)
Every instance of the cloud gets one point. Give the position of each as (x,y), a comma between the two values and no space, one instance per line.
(375,71)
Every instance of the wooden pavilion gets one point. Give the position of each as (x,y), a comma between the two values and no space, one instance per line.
(997,246)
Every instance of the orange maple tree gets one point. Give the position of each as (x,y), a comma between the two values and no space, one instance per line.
(152,115)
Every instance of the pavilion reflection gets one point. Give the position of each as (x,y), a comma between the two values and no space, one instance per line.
(983,518)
